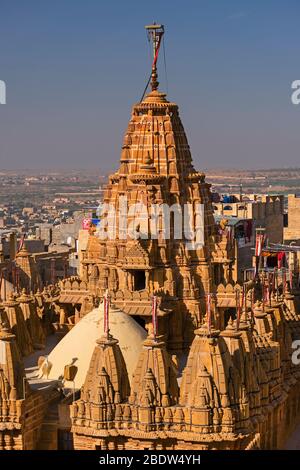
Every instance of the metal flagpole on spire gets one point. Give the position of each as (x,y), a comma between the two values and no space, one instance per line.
(244,297)
(238,309)
(106,302)
(252,305)
(259,244)
(154,316)
(208,312)
(155,33)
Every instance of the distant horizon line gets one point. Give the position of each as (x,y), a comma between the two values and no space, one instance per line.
(76,169)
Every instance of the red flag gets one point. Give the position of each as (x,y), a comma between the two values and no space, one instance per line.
(259,244)
(106,301)
(154,315)
(86,223)
(280,259)
(21,242)
(160,35)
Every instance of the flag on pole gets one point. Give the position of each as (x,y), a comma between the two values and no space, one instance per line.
(21,244)
(160,35)
(106,301)
(256,267)
(259,244)
(281,259)
(154,316)
(86,223)
(238,309)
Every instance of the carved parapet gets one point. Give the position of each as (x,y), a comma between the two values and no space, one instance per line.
(149,178)
(11,414)
(196,177)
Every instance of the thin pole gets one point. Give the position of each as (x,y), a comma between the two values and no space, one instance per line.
(106,301)
(238,309)
(263,291)
(208,310)
(4,284)
(154,316)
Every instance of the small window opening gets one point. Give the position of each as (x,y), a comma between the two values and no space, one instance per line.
(139,280)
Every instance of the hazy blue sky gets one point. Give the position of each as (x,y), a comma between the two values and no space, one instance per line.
(73,68)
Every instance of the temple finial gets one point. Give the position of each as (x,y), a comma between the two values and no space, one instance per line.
(155,34)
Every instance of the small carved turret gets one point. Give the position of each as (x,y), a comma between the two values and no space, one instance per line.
(18,325)
(105,387)
(156,372)
(224,393)
(32,320)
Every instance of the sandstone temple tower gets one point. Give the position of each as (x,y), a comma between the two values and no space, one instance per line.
(156,169)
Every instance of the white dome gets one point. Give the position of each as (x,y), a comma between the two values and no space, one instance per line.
(80,342)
